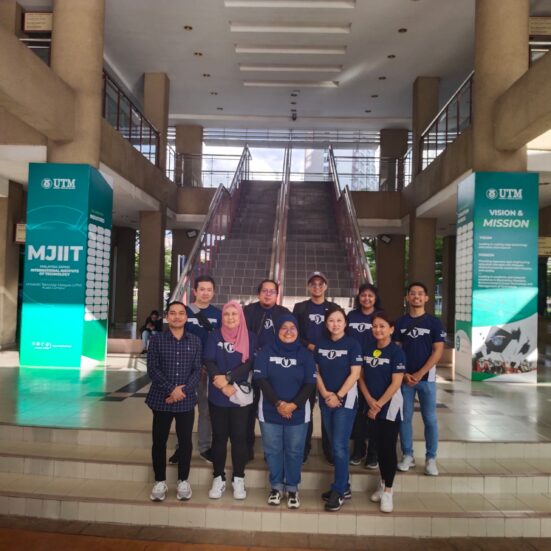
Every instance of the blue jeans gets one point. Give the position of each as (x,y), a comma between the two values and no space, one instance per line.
(284,449)
(338,423)
(426,390)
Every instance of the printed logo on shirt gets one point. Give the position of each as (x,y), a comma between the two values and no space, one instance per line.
(227,346)
(283,362)
(442,334)
(195,321)
(360,327)
(374,362)
(415,332)
(316,318)
(268,324)
(332,354)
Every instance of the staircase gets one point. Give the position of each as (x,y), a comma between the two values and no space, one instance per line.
(243,258)
(313,244)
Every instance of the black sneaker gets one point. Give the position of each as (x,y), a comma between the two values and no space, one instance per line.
(347,494)
(207,455)
(334,503)
(371,462)
(173,459)
(356,459)
(293,501)
(274,498)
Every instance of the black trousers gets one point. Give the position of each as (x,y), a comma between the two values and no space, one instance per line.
(229,423)
(325,443)
(251,421)
(361,432)
(162,420)
(385,434)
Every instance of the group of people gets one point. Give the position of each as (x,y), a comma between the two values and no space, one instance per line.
(264,362)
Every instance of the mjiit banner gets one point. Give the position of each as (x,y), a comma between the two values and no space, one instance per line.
(66,273)
(497,276)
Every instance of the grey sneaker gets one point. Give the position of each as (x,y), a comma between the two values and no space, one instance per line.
(407,463)
(158,493)
(430,467)
(183,490)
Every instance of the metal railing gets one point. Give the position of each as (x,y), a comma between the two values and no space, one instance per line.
(205,170)
(372,173)
(348,228)
(121,113)
(170,168)
(449,123)
(277,262)
(216,228)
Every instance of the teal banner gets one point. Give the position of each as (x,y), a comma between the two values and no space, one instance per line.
(497,276)
(66,272)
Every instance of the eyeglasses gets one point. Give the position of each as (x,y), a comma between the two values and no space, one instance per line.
(269,292)
(288,330)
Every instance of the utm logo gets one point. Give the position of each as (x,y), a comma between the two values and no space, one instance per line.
(491,193)
(58,183)
(504,193)
(47,183)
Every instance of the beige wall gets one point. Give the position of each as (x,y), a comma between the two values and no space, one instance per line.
(377,204)
(545,222)
(194,200)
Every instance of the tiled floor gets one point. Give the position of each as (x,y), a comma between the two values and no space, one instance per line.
(113,398)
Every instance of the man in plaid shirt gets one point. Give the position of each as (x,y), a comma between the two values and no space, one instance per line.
(174,367)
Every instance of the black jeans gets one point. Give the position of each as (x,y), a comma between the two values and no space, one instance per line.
(385,434)
(162,420)
(251,421)
(229,423)
(325,443)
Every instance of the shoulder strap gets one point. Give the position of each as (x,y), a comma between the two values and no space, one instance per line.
(201,318)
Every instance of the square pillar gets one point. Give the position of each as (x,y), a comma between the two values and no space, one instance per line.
(448,281)
(156,97)
(394,146)
(390,264)
(189,145)
(122,292)
(422,254)
(151,274)
(181,245)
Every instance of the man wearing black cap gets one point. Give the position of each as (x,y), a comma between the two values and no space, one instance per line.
(310,316)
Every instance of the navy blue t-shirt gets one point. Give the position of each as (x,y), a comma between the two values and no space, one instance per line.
(287,374)
(316,326)
(417,336)
(359,327)
(378,369)
(226,359)
(213,314)
(334,359)
(267,333)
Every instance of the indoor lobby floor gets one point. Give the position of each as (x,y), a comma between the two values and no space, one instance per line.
(113,398)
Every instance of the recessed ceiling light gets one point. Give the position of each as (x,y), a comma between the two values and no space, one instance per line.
(402,30)
(188,28)
(288,84)
(367,111)
(293,95)
(292,68)
(382,78)
(206,75)
(391,56)
(220,109)
(374,95)
(289,3)
(198,54)
(291,50)
(213,93)
(288,28)
(293,103)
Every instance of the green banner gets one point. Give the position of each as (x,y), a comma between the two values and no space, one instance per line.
(497,276)
(66,272)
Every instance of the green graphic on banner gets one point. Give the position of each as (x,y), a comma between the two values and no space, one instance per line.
(497,276)
(66,273)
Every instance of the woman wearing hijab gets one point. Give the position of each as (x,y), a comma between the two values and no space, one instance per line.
(359,323)
(286,376)
(228,357)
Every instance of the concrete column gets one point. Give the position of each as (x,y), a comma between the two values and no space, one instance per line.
(448,282)
(501,57)
(156,103)
(394,146)
(189,141)
(152,263)
(424,109)
(77,57)
(422,256)
(390,260)
(12,211)
(181,244)
(10,16)
(123,274)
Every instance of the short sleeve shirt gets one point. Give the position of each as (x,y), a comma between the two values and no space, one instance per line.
(359,327)
(287,374)
(335,358)
(378,367)
(213,314)
(316,315)
(417,336)
(226,359)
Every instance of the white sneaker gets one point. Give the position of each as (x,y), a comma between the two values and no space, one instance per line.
(430,467)
(218,488)
(158,493)
(407,462)
(183,490)
(239,491)
(387,506)
(376,495)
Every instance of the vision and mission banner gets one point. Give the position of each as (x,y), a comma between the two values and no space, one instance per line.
(497,276)
(66,272)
